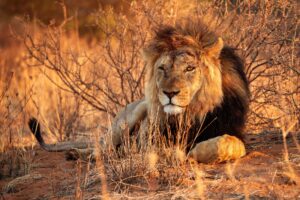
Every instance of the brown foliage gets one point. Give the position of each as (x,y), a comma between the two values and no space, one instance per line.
(264,34)
(82,78)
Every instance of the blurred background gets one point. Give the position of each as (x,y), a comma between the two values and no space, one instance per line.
(18,76)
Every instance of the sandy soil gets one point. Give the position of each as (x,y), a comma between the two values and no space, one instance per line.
(262,174)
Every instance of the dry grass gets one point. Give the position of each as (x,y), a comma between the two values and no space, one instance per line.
(75,87)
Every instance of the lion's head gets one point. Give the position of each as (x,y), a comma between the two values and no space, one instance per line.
(184,70)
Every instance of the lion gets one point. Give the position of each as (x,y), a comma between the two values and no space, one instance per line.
(196,91)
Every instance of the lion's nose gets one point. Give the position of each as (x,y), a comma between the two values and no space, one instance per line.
(171,94)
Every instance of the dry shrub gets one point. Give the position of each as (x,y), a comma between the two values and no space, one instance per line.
(154,169)
(109,75)
(96,79)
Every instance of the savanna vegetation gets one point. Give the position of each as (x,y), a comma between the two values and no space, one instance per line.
(75,64)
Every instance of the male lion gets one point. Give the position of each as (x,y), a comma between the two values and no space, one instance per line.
(194,86)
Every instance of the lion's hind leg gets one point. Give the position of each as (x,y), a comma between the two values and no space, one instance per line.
(218,149)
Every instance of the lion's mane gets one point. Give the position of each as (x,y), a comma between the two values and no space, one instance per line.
(224,97)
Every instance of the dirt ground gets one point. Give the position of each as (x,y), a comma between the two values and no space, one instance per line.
(263,173)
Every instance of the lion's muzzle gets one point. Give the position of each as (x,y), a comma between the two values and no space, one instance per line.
(171,93)
(169,100)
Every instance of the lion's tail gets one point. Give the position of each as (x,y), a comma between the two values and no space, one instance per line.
(35,128)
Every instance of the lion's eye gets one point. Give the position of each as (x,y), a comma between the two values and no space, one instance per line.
(161,68)
(190,68)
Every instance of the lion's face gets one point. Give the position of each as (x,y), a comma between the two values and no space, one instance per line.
(183,74)
(178,78)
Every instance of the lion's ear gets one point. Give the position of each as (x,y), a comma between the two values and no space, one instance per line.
(215,49)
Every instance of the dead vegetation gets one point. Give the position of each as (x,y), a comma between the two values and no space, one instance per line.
(75,86)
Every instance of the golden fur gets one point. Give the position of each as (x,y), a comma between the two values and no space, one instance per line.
(192,66)
(208,95)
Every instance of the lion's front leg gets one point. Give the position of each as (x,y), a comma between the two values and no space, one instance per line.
(127,119)
(218,149)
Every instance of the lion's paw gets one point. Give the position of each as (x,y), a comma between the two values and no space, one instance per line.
(218,149)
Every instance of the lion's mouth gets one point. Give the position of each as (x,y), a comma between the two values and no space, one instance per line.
(173,109)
